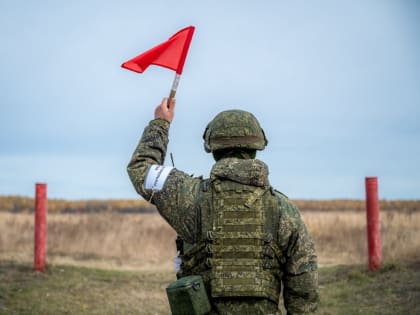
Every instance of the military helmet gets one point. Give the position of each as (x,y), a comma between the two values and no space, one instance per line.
(234,129)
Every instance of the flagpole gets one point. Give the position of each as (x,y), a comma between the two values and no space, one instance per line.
(174,87)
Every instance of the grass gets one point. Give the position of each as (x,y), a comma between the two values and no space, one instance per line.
(341,236)
(392,289)
(80,290)
(109,263)
(139,241)
(63,289)
(145,241)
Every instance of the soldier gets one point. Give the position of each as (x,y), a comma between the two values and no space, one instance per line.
(242,236)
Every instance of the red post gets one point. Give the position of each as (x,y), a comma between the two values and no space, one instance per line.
(40,226)
(373,223)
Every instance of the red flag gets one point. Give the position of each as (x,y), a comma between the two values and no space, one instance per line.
(170,54)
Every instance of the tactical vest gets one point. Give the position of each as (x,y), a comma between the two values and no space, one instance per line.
(235,250)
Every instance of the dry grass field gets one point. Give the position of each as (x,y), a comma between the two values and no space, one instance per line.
(146,241)
(130,262)
(341,236)
(128,241)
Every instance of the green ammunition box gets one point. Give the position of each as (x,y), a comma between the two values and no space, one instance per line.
(188,296)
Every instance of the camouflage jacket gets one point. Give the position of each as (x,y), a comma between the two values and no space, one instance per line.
(175,202)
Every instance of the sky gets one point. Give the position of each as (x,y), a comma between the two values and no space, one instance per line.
(334,84)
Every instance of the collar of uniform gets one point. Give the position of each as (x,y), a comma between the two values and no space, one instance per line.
(249,172)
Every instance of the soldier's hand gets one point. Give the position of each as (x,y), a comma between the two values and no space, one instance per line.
(166,111)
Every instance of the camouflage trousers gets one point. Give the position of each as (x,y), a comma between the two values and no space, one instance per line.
(243,306)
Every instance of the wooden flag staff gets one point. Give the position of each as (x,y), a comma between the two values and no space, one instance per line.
(174,87)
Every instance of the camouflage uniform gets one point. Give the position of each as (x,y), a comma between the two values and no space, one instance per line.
(287,249)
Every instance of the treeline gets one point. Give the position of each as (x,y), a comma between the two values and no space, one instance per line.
(357,205)
(19,204)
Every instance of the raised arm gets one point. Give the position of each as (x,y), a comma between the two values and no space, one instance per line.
(152,146)
(175,201)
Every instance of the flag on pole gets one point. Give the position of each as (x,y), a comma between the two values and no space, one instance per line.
(170,54)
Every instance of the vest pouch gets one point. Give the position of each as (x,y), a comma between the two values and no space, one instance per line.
(188,296)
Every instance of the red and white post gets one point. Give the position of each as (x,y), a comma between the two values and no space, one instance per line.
(373,223)
(40,226)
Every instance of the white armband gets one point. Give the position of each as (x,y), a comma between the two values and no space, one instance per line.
(156,176)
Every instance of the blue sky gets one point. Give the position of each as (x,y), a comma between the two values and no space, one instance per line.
(335,85)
